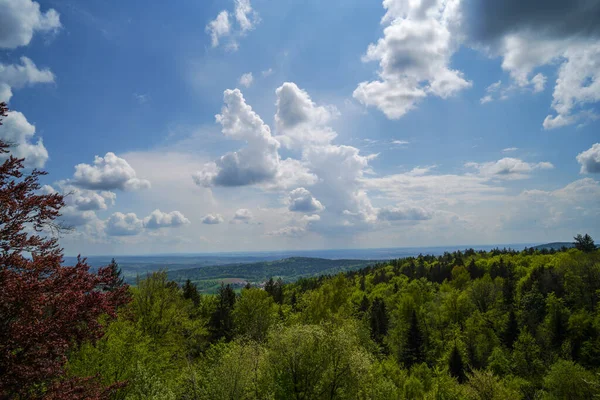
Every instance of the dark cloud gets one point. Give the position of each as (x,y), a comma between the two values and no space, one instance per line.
(487,20)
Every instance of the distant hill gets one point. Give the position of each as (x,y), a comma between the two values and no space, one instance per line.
(554,246)
(289,269)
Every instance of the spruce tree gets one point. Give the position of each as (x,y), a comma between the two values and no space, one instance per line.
(221,320)
(584,243)
(379,320)
(511,333)
(190,292)
(413,352)
(456,366)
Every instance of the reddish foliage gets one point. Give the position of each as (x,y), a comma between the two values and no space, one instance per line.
(45,308)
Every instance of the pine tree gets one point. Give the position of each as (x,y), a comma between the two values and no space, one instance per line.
(456,366)
(584,243)
(379,320)
(413,352)
(511,333)
(221,320)
(116,272)
(363,307)
(190,292)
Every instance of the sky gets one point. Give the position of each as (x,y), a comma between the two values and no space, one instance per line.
(238,125)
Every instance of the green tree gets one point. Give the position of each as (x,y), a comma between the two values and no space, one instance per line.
(221,320)
(190,292)
(413,351)
(569,381)
(456,366)
(379,320)
(584,243)
(511,331)
(254,313)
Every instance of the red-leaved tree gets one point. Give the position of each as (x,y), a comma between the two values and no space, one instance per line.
(46,309)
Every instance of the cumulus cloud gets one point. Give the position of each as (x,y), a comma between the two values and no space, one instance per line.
(120,224)
(590,160)
(20,19)
(218,28)
(301,200)
(299,121)
(508,168)
(420,38)
(211,219)
(71,216)
(18,132)
(258,162)
(414,57)
(242,215)
(566,34)
(158,219)
(16,76)
(108,173)
(403,214)
(246,79)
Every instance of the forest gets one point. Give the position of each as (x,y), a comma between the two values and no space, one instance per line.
(501,324)
(465,325)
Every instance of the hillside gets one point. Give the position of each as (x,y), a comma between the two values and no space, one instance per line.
(289,269)
(554,246)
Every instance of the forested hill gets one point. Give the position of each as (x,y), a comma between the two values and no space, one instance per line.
(464,325)
(289,269)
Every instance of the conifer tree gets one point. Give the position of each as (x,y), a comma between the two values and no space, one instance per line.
(456,366)
(379,320)
(413,352)
(511,333)
(221,320)
(190,292)
(584,243)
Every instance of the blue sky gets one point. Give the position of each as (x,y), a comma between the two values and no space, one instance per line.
(364,124)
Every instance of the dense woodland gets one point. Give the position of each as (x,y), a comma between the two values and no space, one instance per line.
(467,325)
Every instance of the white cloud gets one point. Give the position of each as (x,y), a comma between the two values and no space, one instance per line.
(288,231)
(16,76)
(510,149)
(218,28)
(258,162)
(404,213)
(400,142)
(243,215)
(108,173)
(267,72)
(414,57)
(508,168)
(129,224)
(20,19)
(246,17)
(223,25)
(246,79)
(158,219)
(211,219)
(299,121)
(590,160)
(301,200)
(18,132)
(539,83)
(120,224)
(420,38)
